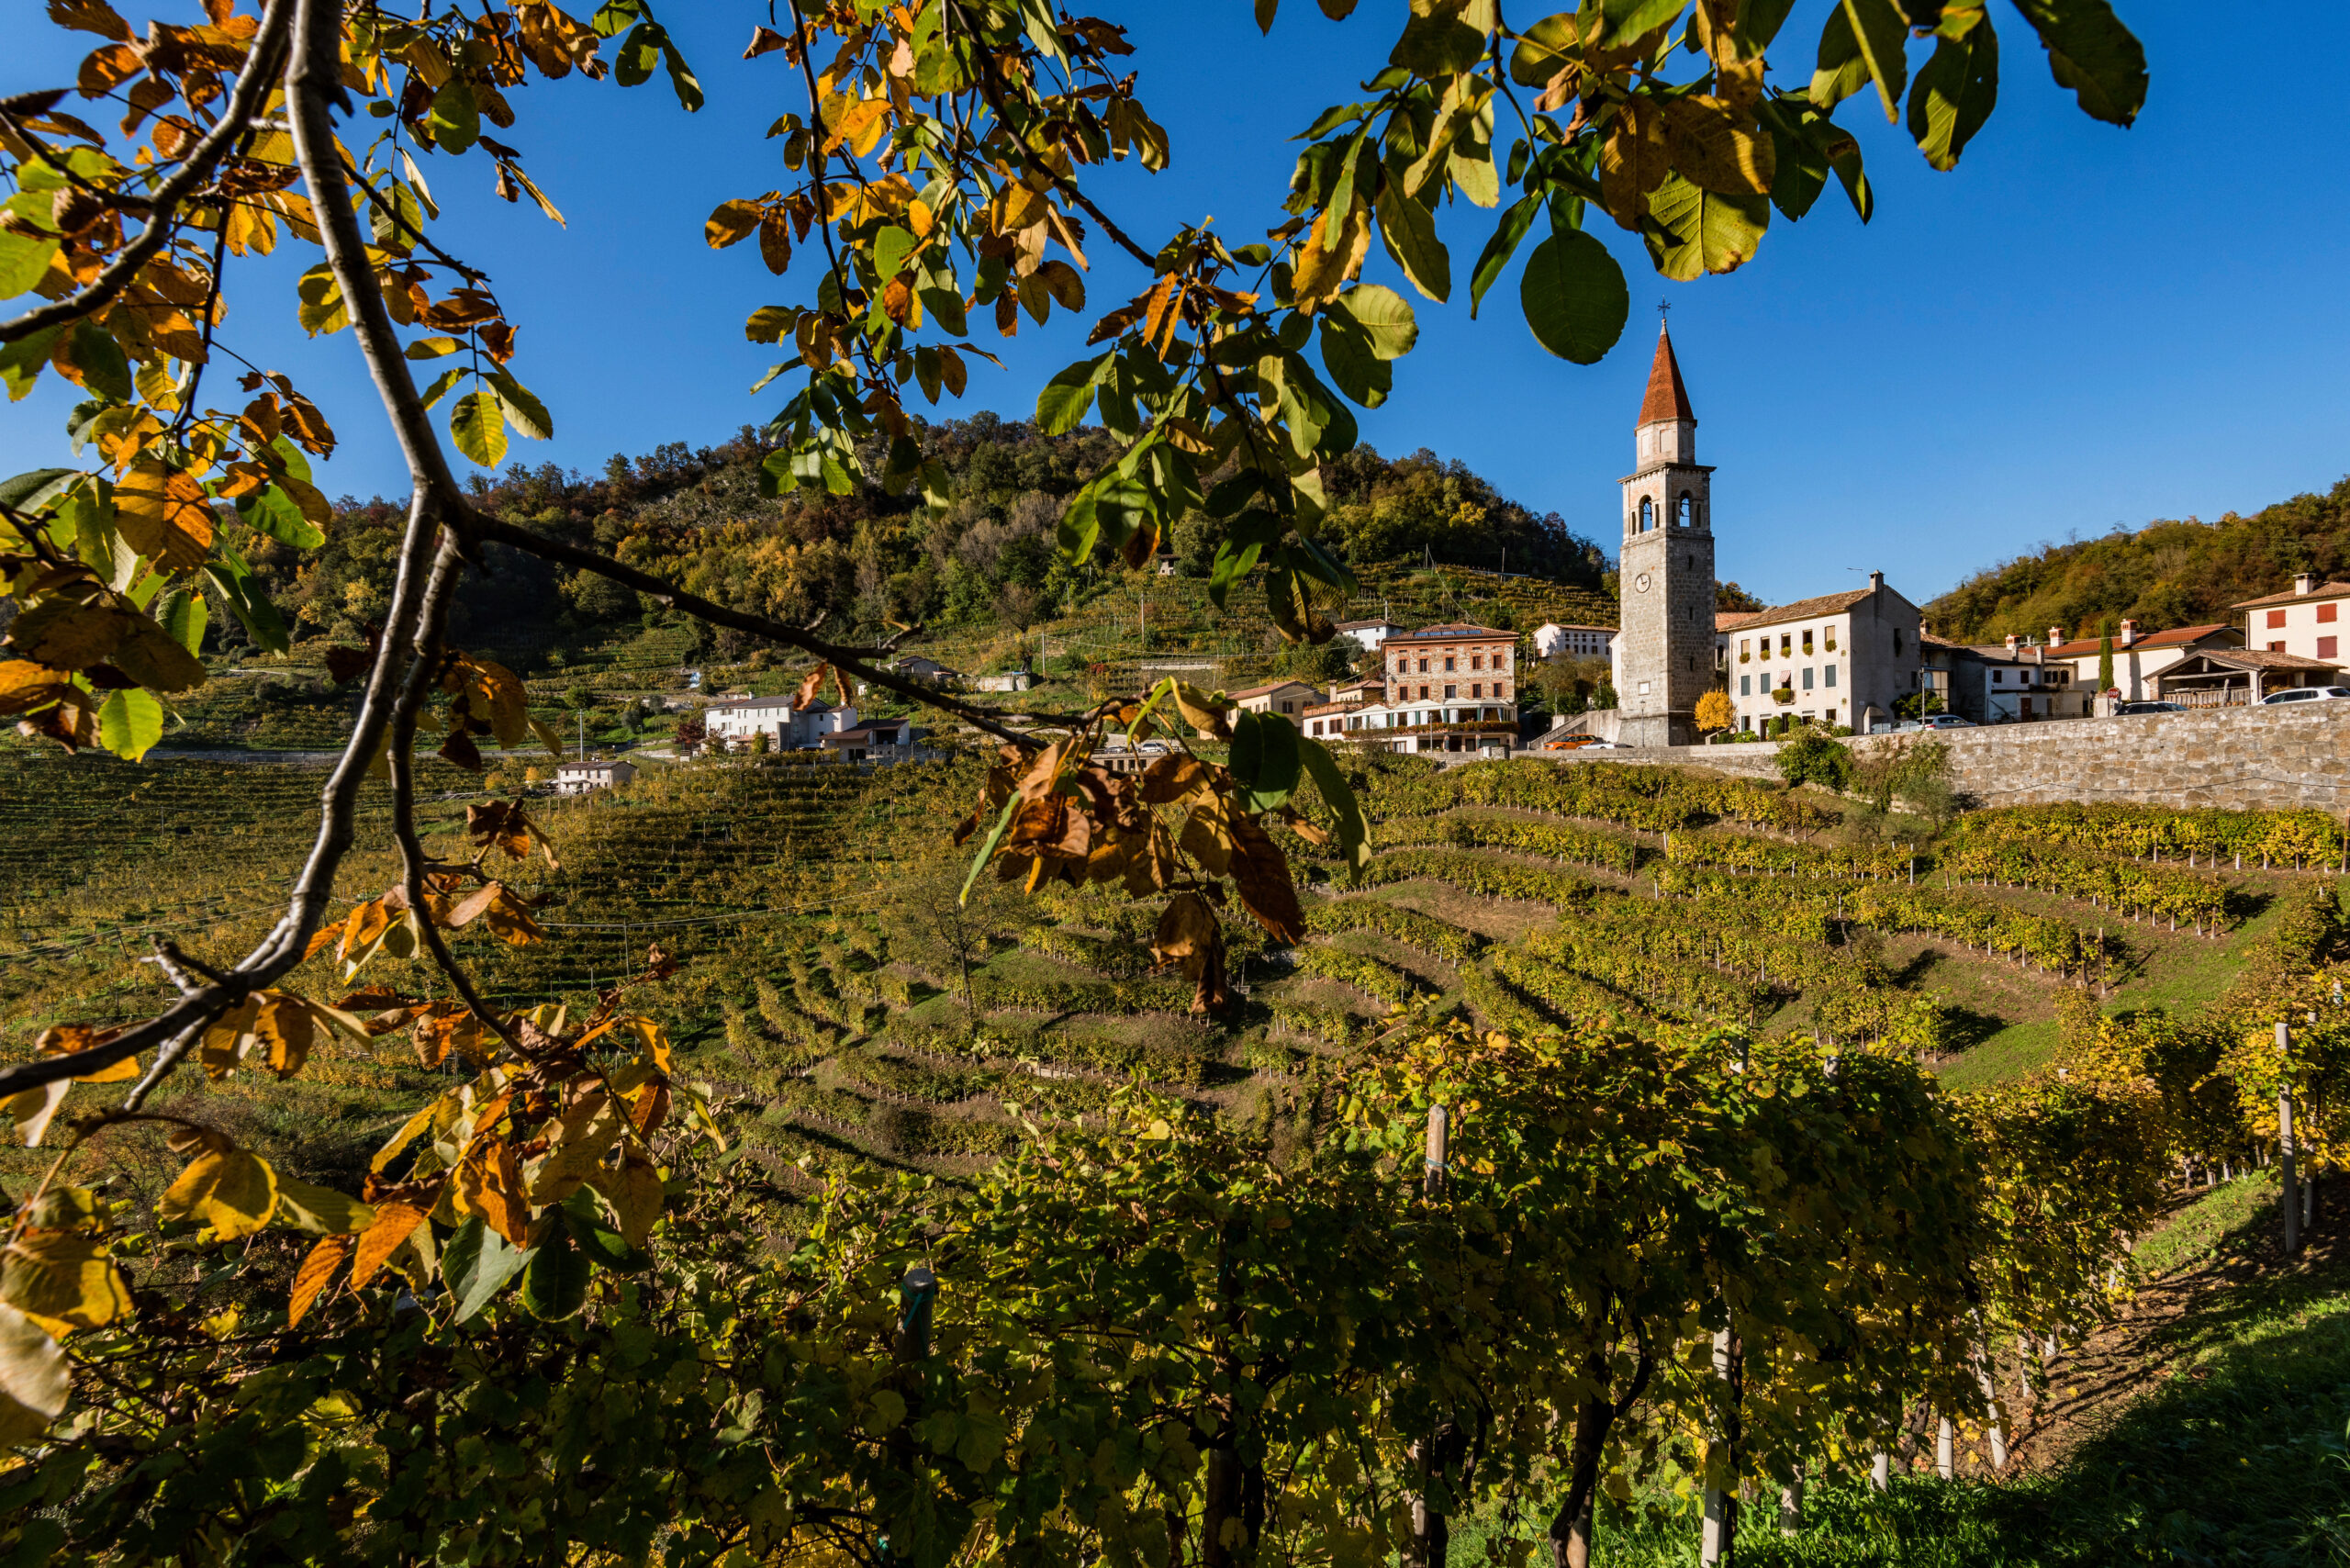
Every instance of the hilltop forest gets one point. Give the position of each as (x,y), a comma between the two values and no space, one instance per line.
(697,516)
(2165,574)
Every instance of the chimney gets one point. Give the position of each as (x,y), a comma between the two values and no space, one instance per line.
(2128,634)
(2056,635)
(2011,644)
(1877,582)
(2304,583)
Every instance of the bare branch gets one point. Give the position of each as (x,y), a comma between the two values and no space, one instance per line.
(675,597)
(252,86)
(413,691)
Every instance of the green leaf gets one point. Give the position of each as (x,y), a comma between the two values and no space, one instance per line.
(1575,296)
(21,362)
(1628,19)
(1354,828)
(682,80)
(890,248)
(583,1215)
(521,406)
(23,259)
(614,15)
(30,491)
(130,722)
(1881,34)
(1841,71)
(554,1285)
(987,846)
(1759,22)
(1062,405)
(100,360)
(479,1263)
(1408,230)
(1440,44)
(235,580)
(478,424)
(1705,230)
(1384,315)
(1953,95)
(2090,51)
(1516,222)
(1355,368)
(638,54)
(1264,759)
(455,118)
(182,613)
(271,512)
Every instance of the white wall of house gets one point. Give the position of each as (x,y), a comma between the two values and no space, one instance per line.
(2309,628)
(784,725)
(1838,666)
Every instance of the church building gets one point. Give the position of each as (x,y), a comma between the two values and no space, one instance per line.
(1663,654)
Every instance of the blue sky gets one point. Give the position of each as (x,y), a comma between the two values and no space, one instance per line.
(2080,327)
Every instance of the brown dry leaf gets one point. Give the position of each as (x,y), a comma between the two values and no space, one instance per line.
(490,1183)
(809,686)
(64,1039)
(1633,160)
(1170,778)
(1261,871)
(394,1221)
(25,686)
(1208,835)
(1323,270)
(1717,148)
(312,1278)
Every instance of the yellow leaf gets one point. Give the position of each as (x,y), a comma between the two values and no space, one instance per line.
(234,1192)
(634,1192)
(65,1277)
(33,1382)
(165,515)
(32,1109)
(320,1210)
(312,1276)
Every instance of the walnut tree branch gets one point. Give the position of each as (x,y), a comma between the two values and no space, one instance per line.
(675,597)
(260,74)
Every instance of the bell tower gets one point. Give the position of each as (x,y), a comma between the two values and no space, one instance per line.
(1665,570)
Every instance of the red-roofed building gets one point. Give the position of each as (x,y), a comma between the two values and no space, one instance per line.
(2306,623)
(2137,660)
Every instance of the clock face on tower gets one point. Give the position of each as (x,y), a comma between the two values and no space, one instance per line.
(1641,583)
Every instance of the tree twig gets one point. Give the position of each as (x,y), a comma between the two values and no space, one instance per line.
(675,597)
(430,626)
(252,86)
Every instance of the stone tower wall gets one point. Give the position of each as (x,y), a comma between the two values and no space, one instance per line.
(1667,636)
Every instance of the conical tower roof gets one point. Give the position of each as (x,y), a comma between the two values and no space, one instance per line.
(1667,398)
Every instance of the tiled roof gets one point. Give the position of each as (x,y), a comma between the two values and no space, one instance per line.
(2177,637)
(1266,690)
(1365,625)
(1727,620)
(2323,591)
(1809,609)
(1667,398)
(1451,633)
(2253,658)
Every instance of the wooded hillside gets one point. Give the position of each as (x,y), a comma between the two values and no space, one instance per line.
(2165,574)
(700,516)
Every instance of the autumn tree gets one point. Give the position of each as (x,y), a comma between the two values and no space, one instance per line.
(940,158)
(1715,712)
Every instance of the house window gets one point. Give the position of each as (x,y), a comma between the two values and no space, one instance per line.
(2325,646)
(1996,676)
(2275,647)
(1896,641)
(1745,649)
(1501,661)
(1685,512)
(1829,679)
(1648,514)
(1746,686)
(1807,642)
(1289,707)
(1807,678)
(1786,643)
(1476,689)
(2325,613)
(1424,691)
(1447,665)
(1476,661)
(1452,691)
(2275,618)
(1424,667)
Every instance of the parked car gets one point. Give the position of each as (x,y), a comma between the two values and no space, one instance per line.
(1943,721)
(1571,743)
(2131,709)
(2307,694)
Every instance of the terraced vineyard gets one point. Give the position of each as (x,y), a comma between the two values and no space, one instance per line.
(847,1007)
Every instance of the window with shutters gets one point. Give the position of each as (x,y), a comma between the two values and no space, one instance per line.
(2275,618)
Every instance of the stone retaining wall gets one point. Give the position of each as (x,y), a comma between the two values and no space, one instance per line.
(2243,757)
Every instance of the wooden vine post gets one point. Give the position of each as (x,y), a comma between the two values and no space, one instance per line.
(1431,1531)
(2291,1199)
